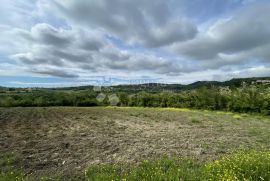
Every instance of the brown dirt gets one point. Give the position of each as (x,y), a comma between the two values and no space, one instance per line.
(65,141)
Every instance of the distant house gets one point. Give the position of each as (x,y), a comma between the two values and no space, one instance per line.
(263,82)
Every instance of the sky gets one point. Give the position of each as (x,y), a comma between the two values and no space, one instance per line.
(60,43)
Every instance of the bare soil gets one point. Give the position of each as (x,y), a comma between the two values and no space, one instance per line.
(65,141)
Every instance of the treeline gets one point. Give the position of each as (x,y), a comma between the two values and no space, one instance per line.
(49,98)
(243,99)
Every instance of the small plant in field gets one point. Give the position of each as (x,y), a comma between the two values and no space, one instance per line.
(135,114)
(237,116)
(195,120)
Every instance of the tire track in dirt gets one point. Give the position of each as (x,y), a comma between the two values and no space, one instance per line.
(48,159)
(10,129)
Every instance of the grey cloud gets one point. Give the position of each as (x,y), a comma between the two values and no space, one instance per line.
(27,58)
(90,41)
(34,58)
(116,65)
(58,47)
(146,62)
(115,54)
(201,48)
(105,57)
(55,72)
(146,22)
(260,53)
(245,31)
(46,34)
(232,40)
(46,56)
(91,45)
(175,31)
(69,56)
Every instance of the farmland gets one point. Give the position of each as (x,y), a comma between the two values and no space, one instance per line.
(135,90)
(63,142)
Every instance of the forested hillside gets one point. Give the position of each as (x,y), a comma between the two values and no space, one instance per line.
(239,95)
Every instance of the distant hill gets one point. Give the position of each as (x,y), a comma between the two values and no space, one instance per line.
(157,87)
(236,82)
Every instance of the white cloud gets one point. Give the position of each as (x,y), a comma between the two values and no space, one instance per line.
(51,49)
(151,24)
(70,39)
(236,40)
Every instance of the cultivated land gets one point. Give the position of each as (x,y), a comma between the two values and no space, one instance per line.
(65,141)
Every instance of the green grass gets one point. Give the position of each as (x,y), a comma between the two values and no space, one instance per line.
(253,165)
(11,176)
(237,116)
(7,159)
(7,172)
(164,169)
(242,165)
(195,120)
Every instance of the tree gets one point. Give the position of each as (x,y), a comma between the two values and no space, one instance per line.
(123,97)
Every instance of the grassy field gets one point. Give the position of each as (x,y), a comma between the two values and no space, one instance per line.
(106,143)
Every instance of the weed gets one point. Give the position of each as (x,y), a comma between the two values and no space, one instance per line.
(237,116)
(195,120)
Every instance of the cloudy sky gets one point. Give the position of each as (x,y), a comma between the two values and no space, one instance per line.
(78,42)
